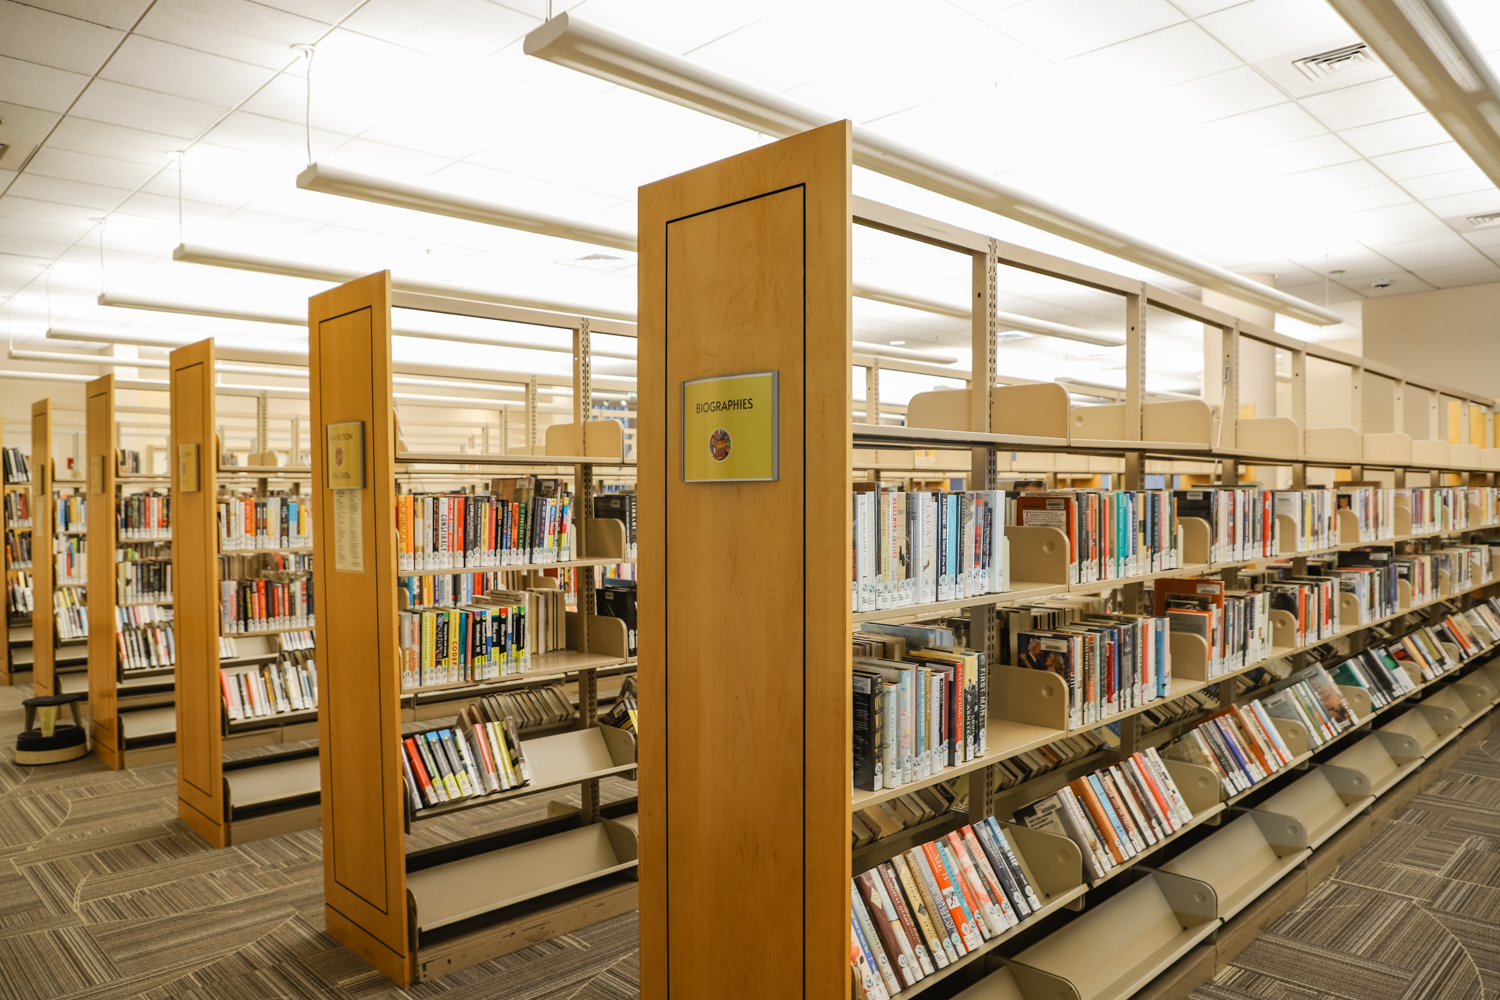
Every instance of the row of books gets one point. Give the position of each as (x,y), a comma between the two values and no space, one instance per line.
(479,756)
(18,596)
(18,509)
(1441,508)
(1112,534)
(904,812)
(928,907)
(70,562)
(494,637)
(527,520)
(1374,510)
(624,713)
(1243,744)
(920,704)
(1473,630)
(619,506)
(145,516)
(70,610)
(1115,813)
(274,522)
(917,548)
(72,513)
(1023,767)
(451,590)
(1378,673)
(301,639)
(129,462)
(265,605)
(141,580)
(534,708)
(1235,625)
(235,566)
(280,688)
(146,647)
(17,549)
(17,468)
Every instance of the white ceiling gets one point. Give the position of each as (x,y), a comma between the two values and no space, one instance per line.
(1182,121)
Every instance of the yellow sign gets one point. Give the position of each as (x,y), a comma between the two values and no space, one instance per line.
(96,473)
(346,456)
(187,467)
(729,429)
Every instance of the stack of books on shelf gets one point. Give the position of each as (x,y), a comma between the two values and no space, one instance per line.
(1241,520)
(619,506)
(145,517)
(1378,673)
(534,708)
(281,688)
(139,581)
(70,564)
(616,599)
(479,756)
(1023,767)
(624,713)
(266,605)
(18,595)
(495,636)
(451,590)
(904,812)
(17,549)
(920,704)
(298,640)
(1474,629)
(72,514)
(929,907)
(1111,663)
(1436,508)
(130,462)
(523,521)
(70,609)
(1241,744)
(1112,534)
(1115,813)
(18,509)
(1373,507)
(919,548)
(143,637)
(1312,602)
(1235,625)
(1314,518)
(17,468)
(274,522)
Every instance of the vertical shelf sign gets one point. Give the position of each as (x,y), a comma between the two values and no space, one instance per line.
(346,478)
(729,429)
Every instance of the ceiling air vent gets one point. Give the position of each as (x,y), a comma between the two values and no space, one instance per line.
(1484,221)
(1325,64)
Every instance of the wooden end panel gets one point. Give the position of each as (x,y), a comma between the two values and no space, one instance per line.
(349,350)
(43,517)
(104,663)
(200,752)
(745,267)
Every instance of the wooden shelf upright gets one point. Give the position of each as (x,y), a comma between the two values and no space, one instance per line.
(131,717)
(43,518)
(14,626)
(270,793)
(428,913)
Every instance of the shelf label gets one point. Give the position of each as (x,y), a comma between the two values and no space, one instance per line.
(730,429)
(187,467)
(349,531)
(346,456)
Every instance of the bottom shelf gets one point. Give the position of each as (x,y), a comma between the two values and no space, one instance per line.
(266,785)
(471,887)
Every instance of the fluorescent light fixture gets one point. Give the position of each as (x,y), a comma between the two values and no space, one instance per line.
(363,187)
(904,353)
(587,48)
(1425,45)
(220,257)
(119,301)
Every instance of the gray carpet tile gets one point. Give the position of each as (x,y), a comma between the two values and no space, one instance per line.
(106,895)
(1412,915)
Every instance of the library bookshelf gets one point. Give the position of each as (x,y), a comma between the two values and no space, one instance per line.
(132,718)
(228,797)
(59,653)
(15,623)
(746,266)
(417,914)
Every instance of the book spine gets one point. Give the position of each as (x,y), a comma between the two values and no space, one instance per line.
(896,901)
(922,913)
(874,941)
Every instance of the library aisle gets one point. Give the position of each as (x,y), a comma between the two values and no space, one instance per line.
(1415,912)
(106,894)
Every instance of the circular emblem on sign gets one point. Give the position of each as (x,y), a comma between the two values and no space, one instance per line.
(719,444)
(338,456)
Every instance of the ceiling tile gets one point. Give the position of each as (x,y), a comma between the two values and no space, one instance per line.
(1472,203)
(63,192)
(1263,29)
(37,86)
(1382,237)
(466,31)
(1453,275)
(1271,126)
(80,135)
(327,11)
(41,36)
(1060,29)
(121,14)
(1160,59)
(377,158)
(1324,150)
(119,104)
(1438,158)
(284,140)
(1219,95)
(1449,183)
(1362,199)
(339,109)
(24,128)
(172,69)
(1440,251)
(50,162)
(1197,8)
(237,29)
(1411,132)
(1366,104)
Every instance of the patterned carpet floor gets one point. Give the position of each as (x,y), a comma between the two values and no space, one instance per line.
(1412,915)
(106,895)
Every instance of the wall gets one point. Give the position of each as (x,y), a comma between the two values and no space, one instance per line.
(1452,336)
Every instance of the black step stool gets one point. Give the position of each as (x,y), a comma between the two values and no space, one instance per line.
(67,742)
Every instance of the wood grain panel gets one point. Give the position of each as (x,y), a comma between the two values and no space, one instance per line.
(745,266)
(104,720)
(195,571)
(349,351)
(43,654)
